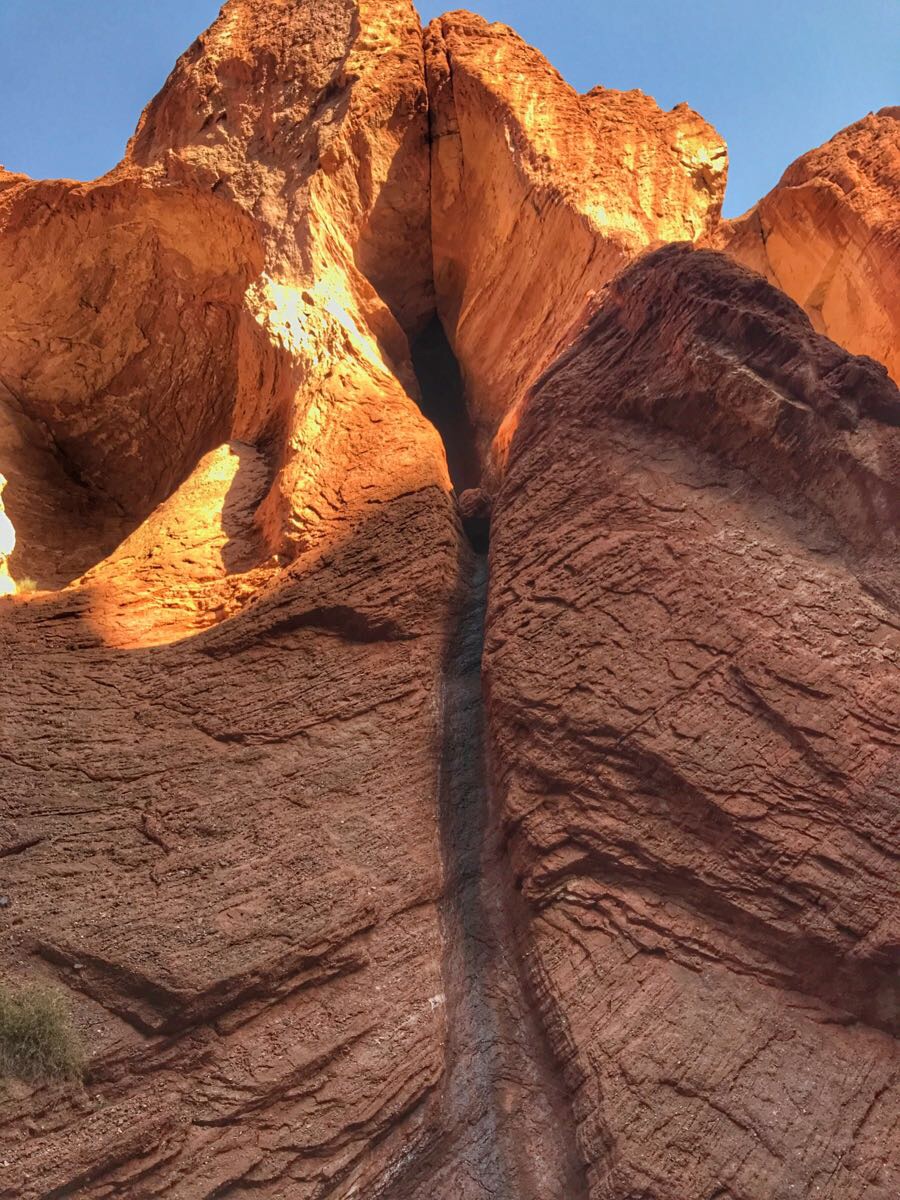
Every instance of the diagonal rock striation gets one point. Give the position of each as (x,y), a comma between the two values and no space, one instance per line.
(692,659)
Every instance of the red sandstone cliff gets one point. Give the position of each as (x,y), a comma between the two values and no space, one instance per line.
(219,790)
(692,665)
(540,195)
(829,236)
(329,925)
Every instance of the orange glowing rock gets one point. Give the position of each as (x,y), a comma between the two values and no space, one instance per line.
(829,233)
(540,195)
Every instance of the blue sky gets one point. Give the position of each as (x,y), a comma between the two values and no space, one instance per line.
(776,77)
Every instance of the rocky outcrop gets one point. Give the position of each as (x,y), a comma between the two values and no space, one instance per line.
(829,236)
(540,195)
(692,657)
(337,914)
(221,829)
(268,223)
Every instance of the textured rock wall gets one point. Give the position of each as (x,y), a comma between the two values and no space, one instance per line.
(692,659)
(316,945)
(540,195)
(829,236)
(219,743)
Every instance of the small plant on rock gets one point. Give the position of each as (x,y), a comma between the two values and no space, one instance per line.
(37,1037)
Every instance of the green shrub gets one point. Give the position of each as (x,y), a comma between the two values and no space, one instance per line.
(37,1038)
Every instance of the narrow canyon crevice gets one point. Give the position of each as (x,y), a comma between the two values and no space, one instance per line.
(443,403)
(506,1129)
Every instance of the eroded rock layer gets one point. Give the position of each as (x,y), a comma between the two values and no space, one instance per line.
(221,828)
(829,236)
(692,657)
(540,195)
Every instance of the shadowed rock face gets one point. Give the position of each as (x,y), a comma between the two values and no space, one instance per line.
(339,916)
(692,664)
(829,236)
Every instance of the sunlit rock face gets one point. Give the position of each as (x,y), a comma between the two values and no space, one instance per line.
(540,195)
(325,146)
(246,269)
(318,943)
(220,828)
(829,236)
(692,665)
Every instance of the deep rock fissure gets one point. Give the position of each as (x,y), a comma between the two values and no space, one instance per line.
(506,1129)
(505,1112)
(443,403)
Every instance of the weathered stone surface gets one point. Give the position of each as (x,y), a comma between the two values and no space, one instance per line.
(218,743)
(209,285)
(317,943)
(112,287)
(692,662)
(540,195)
(829,236)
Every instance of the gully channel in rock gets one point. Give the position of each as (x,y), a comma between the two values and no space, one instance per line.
(505,1126)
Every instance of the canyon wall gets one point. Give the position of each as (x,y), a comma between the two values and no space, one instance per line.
(221,830)
(338,910)
(829,236)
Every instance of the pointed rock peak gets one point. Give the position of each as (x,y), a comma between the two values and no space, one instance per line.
(540,195)
(828,235)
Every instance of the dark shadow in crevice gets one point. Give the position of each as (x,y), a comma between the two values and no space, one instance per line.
(504,1125)
(478,531)
(444,403)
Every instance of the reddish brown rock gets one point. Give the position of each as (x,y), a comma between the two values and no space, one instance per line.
(248,826)
(829,236)
(219,786)
(475,503)
(540,195)
(692,665)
